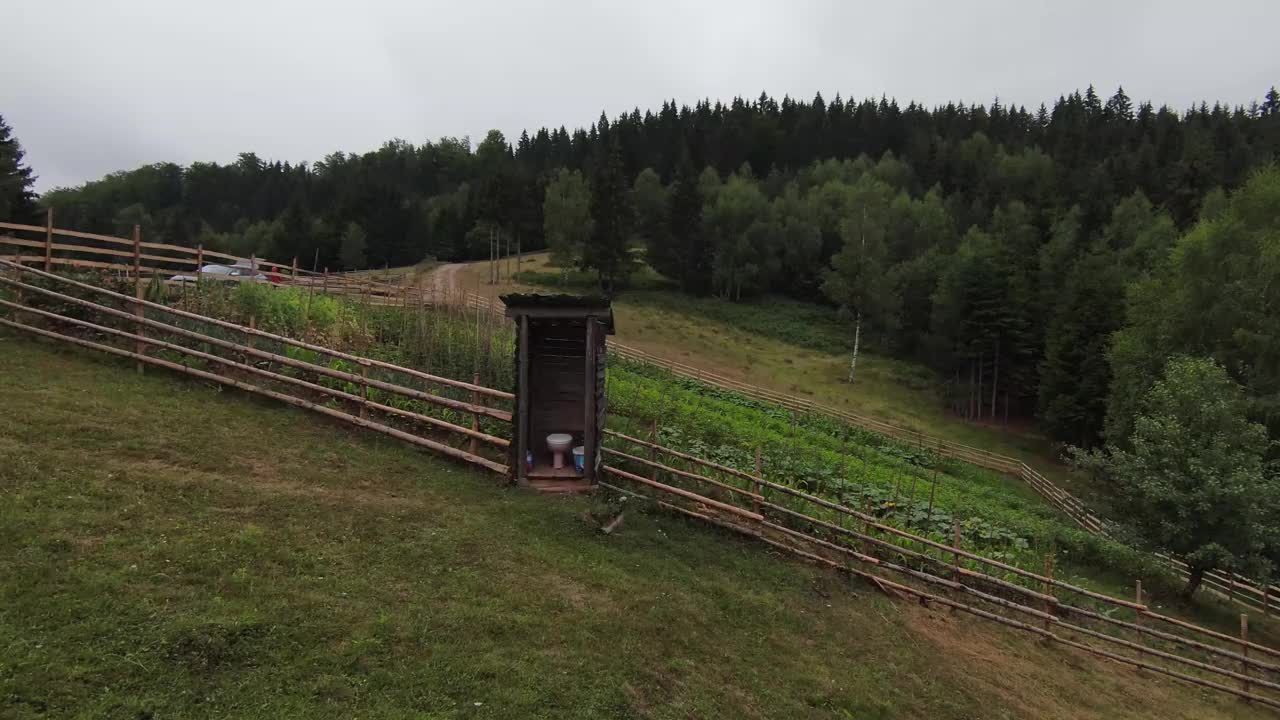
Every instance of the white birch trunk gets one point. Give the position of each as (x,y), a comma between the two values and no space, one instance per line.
(857,335)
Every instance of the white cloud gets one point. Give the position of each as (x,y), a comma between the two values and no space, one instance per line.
(95,86)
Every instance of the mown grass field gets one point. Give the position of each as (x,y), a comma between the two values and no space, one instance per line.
(170,550)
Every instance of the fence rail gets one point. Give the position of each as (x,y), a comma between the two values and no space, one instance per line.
(1235,588)
(817,529)
(179,259)
(245,370)
(846,539)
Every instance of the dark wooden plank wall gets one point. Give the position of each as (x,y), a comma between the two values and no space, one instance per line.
(557,376)
(601,399)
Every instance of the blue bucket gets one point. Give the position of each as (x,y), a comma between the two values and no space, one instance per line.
(579,458)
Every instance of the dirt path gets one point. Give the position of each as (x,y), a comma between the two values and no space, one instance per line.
(444,280)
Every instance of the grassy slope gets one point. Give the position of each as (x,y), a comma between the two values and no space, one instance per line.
(766,343)
(171,550)
(716,335)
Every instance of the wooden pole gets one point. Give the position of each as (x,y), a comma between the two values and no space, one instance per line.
(520,416)
(933,488)
(17,276)
(364,394)
(325,289)
(293,274)
(199,262)
(1244,650)
(756,485)
(311,291)
(48,240)
(248,387)
(866,522)
(138,310)
(653,451)
(955,544)
(592,364)
(475,417)
(1137,611)
(1048,587)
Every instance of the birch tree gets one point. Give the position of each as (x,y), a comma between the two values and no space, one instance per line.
(858,280)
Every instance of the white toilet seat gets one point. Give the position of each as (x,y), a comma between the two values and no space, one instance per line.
(558,444)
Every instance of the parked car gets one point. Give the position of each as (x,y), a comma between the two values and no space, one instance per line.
(224,273)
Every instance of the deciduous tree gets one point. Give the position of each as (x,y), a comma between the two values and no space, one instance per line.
(1192,479)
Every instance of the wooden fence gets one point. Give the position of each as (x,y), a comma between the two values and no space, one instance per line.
(166,259)
(262,363)
(398,401)
(906,564)
(41,246)
(1233,587)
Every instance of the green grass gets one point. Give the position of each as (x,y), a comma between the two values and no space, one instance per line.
(169,550)
(906,486)
(788,346)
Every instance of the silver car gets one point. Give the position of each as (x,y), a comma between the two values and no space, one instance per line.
(224,273)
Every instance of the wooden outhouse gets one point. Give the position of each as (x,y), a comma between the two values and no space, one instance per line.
(560,364)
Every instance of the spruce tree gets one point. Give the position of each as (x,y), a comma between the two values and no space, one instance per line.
(609,250)
(1074,375)
(688,259)
(17,199)
(1271,103)
(352,250)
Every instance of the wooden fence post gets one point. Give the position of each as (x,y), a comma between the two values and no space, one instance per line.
(293,274)
(866,525)
(653,453)
(364,389)
(1137,612)
(1266,601)
(48,239)
(17,275)
(1048,587)
(139,346)
(933,488)
(199,262)
(1244,649)
(325,289)
(955,544)
(759,486)
(475,416)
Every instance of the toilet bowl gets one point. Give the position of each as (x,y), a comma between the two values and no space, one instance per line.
(559,444)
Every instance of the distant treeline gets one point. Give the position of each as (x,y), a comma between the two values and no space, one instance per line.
(993,242)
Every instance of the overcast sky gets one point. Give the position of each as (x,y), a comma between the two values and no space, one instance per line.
(95,86)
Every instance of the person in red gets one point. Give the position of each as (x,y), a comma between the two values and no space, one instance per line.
(274,275)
